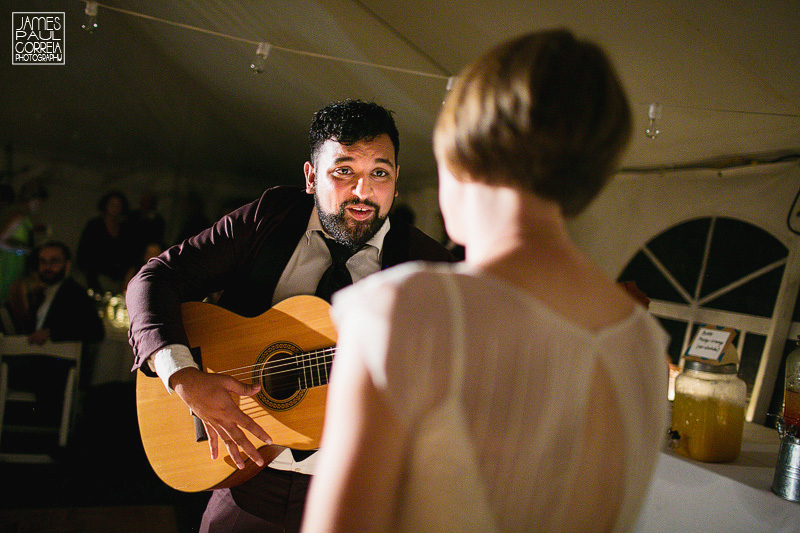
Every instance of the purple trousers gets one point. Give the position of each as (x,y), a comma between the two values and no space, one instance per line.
(272,501)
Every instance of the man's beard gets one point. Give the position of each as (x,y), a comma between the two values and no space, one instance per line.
(51,278)
(349,232)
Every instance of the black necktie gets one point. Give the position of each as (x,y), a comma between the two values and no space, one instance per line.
(337,276)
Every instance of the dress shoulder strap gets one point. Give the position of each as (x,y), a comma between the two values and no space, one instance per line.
(456,305)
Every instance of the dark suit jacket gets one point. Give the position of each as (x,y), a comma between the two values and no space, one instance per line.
(243,255)
(73,315)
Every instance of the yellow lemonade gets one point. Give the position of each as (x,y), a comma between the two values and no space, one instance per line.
(710,429)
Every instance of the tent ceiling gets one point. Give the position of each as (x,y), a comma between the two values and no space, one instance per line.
(141,93)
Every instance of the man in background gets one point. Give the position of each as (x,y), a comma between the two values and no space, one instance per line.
(49,305)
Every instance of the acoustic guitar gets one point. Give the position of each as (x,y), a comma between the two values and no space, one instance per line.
(288,350)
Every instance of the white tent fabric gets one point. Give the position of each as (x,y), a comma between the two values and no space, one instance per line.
(144,91)
(634,208)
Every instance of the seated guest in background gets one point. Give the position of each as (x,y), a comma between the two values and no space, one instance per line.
(520,390)
(50,304)
(107,247)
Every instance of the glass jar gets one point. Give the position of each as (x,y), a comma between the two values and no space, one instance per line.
(708,412)
(791,395)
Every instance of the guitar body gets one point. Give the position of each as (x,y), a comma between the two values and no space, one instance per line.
(287,349)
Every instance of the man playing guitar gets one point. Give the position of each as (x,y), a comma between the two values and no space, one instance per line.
(263,253)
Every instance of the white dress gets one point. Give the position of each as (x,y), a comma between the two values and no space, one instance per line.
(494,393)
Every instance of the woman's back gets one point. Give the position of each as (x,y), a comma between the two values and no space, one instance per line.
(546,413)
(524,391)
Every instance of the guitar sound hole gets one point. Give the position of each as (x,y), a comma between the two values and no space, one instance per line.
(279,376)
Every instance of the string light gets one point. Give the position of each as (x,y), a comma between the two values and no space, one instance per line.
(272,46)
(654,115)
(90,17)
(451,82)
(259,63)
(654,110)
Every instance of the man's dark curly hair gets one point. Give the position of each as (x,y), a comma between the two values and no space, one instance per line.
(349,121)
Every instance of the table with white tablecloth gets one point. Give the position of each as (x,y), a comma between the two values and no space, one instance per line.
(114,356)
(689,495)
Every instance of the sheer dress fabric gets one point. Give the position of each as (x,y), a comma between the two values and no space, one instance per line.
(493,387)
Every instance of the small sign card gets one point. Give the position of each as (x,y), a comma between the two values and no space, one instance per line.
(710,343)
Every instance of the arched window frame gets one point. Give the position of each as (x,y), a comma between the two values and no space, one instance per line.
(775,329)
(637,206)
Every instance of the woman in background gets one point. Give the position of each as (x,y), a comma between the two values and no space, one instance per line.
(520,390)
(107,247)
(18,231)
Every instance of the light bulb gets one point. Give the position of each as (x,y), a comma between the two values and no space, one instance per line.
(451,82)
(90,17)
(654,115)
(259,63)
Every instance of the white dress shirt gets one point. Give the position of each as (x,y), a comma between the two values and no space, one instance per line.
(49,294)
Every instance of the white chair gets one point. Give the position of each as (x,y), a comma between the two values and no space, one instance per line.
(16,346)
(6,322)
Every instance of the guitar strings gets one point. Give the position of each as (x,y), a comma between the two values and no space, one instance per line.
(307,376)
(290,367)
(286,390)
(291,361)
(293,364)
(305,364)
(298,368)
(308,369)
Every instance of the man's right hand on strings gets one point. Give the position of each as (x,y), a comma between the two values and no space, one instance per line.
(211,398)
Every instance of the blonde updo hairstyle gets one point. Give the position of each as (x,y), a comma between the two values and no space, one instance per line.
(543,112)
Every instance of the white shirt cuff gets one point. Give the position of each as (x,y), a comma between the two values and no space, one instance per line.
(285,461)
(169,360)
